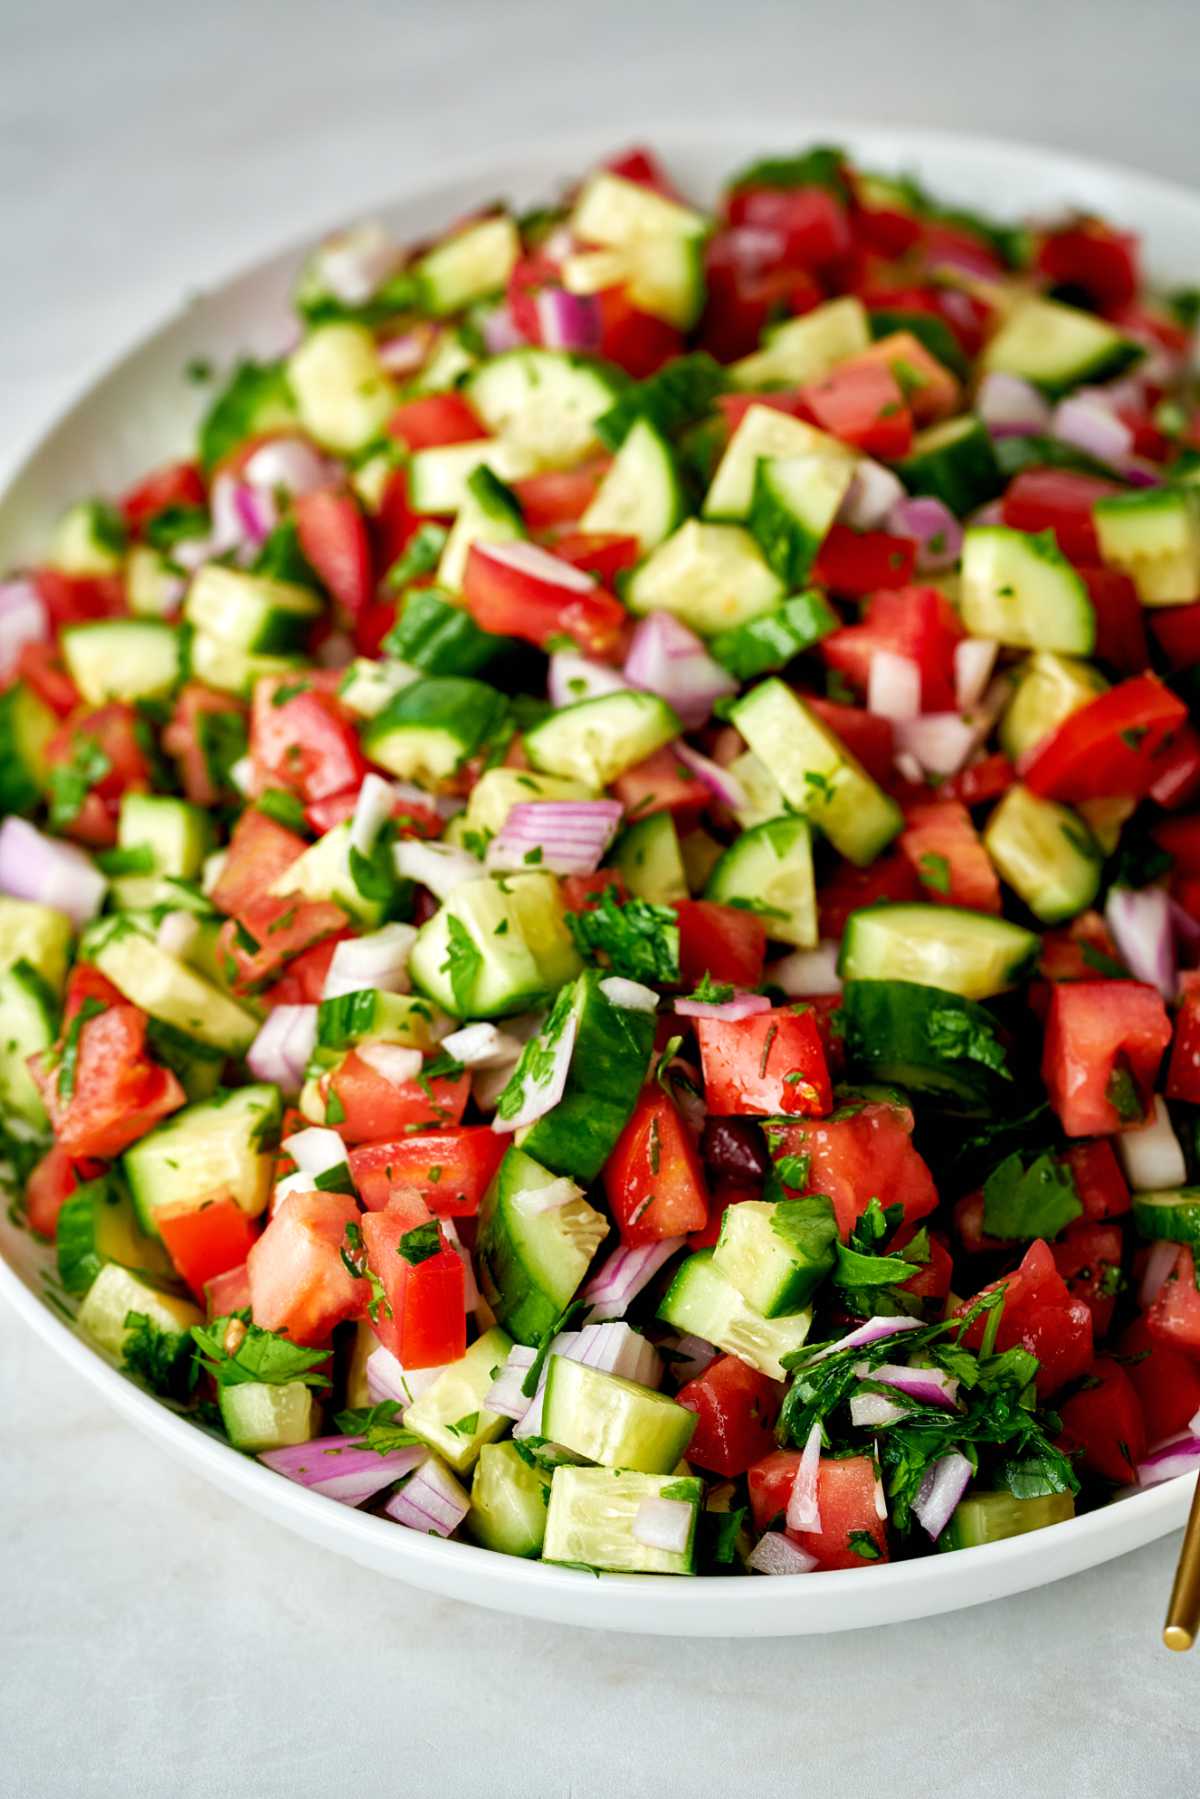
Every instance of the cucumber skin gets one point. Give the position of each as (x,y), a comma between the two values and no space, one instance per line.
(771,640)
(888,1039)
(609,1064)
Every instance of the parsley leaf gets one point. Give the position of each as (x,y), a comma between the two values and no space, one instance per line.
(712,993)
(864,1544)
(961,1034)
(934,871)
(91,1008)
(1038,1201)
(163,1359)
(258,1355)
(854,1269)
(808,1228)
(378,1425)
(423,1241)
(284,807)
(421,553)
(1123,1096)
(463,962)
(637,939)
(71,782)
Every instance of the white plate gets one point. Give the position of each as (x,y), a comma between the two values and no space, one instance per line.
(143,412)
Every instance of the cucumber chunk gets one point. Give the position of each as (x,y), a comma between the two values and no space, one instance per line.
(258,1416)
(545,402)
(768,870)
(592,1516)
(713,577)
(324,872)
(954,462)
(221,1148)
(642,495)
(369,1016)
(1020,589)
(596,740)
(489,514)
(775,1275)
(509,1501)
(37,934)
(1046,853)
(435,634)
(496,946)
(1154,535)
(795,500)
(174,993)
(123,659)
(469,266)
(530,1261)
(251,612)
(450,1415)
(770,641)
(617,1422)
(28,1023)
(947,947)
(117,1291)
(902,1034)
(439,479)
(432,726)
(496,793)
(803,350)
(1057,347)
(342,390)
(762,433)
(89,540)
(98,1225)
(1049,688)
(990,1517)
(649,859)
(700,1300)
(1173,1216)
(26,726)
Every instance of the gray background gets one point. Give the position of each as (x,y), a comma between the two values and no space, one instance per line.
(157,1638)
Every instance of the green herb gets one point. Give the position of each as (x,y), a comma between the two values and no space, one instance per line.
(1035,1476)
(1122,1095)
(934,871)
(222,739)
(1102,963)
(354,1259)
(964,1033)
(335,1111)
(822,166)
(378,1425)
(260,1355)
(421,553)
(256,398)
(175,524)
(857,1270)
(794,1171)
(863,1543)
(91,1008)
(719,1533)
(375,875)
(282,559)
(687,1490)
(807,1227)
(1023,1203)
(637,939)
(466,1426)
(163,1359)
(72,781)
(463,962)
(136,859)
(285,808)
(422,1242)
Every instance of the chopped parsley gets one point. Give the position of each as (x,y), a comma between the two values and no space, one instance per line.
(163,1359)
(1022,1202)
(257,1355)
(422,1242)
(636,938)
(379,1427)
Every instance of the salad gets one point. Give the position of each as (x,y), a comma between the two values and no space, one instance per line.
(600,893)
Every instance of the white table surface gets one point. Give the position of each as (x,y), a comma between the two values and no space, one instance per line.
(159,1640)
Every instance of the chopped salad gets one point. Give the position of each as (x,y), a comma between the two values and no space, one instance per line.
(600,891)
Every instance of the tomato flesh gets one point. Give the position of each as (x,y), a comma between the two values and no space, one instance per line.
(653,1179)
(299,1281)
(451,1169)
(736,1408)
(772,1062)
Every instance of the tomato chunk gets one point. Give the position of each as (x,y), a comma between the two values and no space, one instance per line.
(51,1183)
(1104,1041)
(435,419)
(299,1281)
(423,1321)
(334,539)
(851,1534)
(948,858)
(112,1093)
(207,1242)
(1088,1257)
(768,1063)
(917,623)
(866,1153)
(1058,500)
(450,1169)
(1166,1381)
(856,563)
(366,1107)
(1104,1423)
(653,1178)
(300,739)
(260,850)
(1040,1315)
(1112,746)
(518,591)
(724,942)
(736,1408)
(1174,1314)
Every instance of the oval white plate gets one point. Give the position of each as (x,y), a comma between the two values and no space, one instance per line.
(144,411)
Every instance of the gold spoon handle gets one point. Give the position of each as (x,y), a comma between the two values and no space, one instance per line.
(1183,1613)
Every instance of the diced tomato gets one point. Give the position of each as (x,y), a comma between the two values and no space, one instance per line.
(207,1242)
(981,782)
(1104,1423)
(302,982)
(1104,1041)
(415,819)
(863,1154)
(863,405)
(334,539)
(86,982)
(736,1408)
(581,893)
(1177,629)
(848,889)
(1174,1314)
(770,1482)
(857,563)
(1040,1315)
(1120,619)
(301,739)
(769,1063)
(194,732)
(747,289)
(642,165)
(435,419)
(1088,1256)
(1180,837)
(605,554)
(424,1321)
(933,1278)
(1166,1381)
(662,783)
(530,599)
(451,1169)
(299,1281)
(228,1292)
(653,1178)
(948,858)
(74,599)
(41,667)
(175,484)
(118,1092)
(1093,259)
(392,528)
(373,1108)
(915,622)
(635,341)
(279,927)
(110,738)
(724,942)
(811,220)
(50,1184)
(260,850)
(968,1223)
(1107,748)
(1058,500)
(1183,1070)
(790,400)
(560,496)
(1099,1182)
(845,1501)
(1177,781)
(931,391)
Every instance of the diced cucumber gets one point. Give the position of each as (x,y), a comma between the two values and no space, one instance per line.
(544,402)
(592,1516)
(36,934)
(1049,688)
(509,1499)
(26,726)
(701,1301)
(435,634)
(152,586)
(472,264)
(662,276)
(642,495)
(802,350)
(1057,347)
(97,1224)
(948,947)
(117,1291)
(1154,535)
(495,946)
(342,390)
(1046,853)
(763,798)
(530,1261)
(251,612)
(366,687)
(221,1148)
(450,1415)
(817,775)
(613,210)
(452,359)
(616,1422)
(373,1017)
(431,727)
(500,789)
(765,433)
(713,577)
(489,514)
(769,871)
(221,665)
(88,540)
(608,1066)
(771,641)
(123,659)
(1020,589)
(649,859)
(28,1023)
(258,1416)
(954,462)
(176,835)
(990,1517)
(256,400)
(439,478)
(1173,1215)
(164,987)
(198,1065)
(922,1039)
(700,854)
(795,500)
(324,872)
(596,740)
(775,1275)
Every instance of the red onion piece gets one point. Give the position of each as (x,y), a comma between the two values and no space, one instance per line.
(380,960)
(505,1395)
(622,1276)
(404,354)
(315,1150)
(1010,407)
(281,1050)
(354,264)
(871,1332)
(942,741)
(871,1411)
(532,560)
(630,995)
(664,1524)
(724,786)
(431,1501)
(36,867)
(540,1097)
(667,659)
(1086,420)
(23,619)
(531,1424)
(1171,1459)
(1142,927)
(500,331)
(807,973)
(177,933)
(482,1045)
(616,1348)
(932,527)
(289,465)
(561,1192)
(690,1356)
(1160,1265)
(442,867)
(568,321)
(872,495)
(974,660)
(803,1508)
(372,809)
(341,1469)
(893,686)
(1150,1153)
(945,1482)
(573,678)
(1141,474)
(391,1061)
(568,837)
(387,1378)
(776,1554)
(742,1005)
(932,1386)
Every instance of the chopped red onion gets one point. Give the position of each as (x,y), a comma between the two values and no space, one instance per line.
(1010,407)
(354,264)
(315,1150)
(872,495)
(57,874)
(803,1508)
(379,960)
(573,677)
(1086,420)
(372,809)
(541,1096)
(932,1386)
(742,1005)
(754,248)
(722,783)
(1142,474)
(893,686)
(391,1061)
(664,1524)
(871,1411)
(341,1469)
(336,651)
(552,1198)
(405,353)
(1151,1154)
(540,565)
(280,1053)
(289,465)
(257,511)
(291,1183)
(690,1356)
(531,1424)
(990,514)
(881,1510)
(807,973)
(568,837)
(442,867)
(776,1554)
(871,1332)
(482,1046)
(616,1348)
(431,1501)
(631,996)
(667,659)
(622,1276)
(177,933)
(1141,924)
(932,527)
(944,1483)
(568,321)
(500,331)
(1160,1265)
(974,660)
(505,1395)
(942,741)
(23,619)
(387,1378)
(1171,1459)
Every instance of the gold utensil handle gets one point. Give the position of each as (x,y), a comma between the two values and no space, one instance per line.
(1183,1613)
